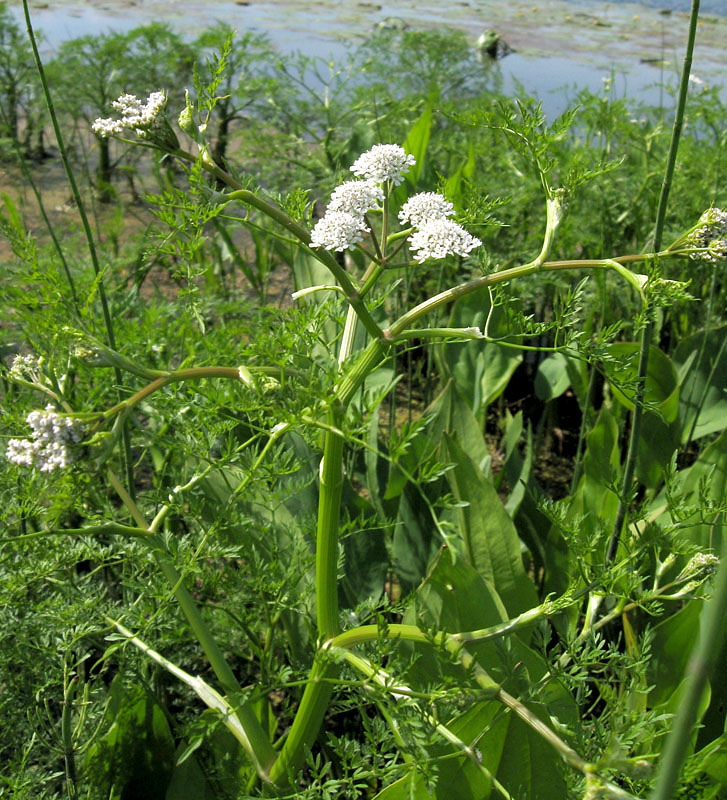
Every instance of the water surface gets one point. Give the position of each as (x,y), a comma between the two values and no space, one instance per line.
(558,45)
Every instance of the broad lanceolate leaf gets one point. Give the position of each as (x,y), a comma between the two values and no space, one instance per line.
(552,378)
(701,360)
(416,144)
(135,757)
(594,500)
(487,537)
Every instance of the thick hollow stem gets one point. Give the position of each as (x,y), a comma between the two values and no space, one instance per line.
(329,510)
(306,724)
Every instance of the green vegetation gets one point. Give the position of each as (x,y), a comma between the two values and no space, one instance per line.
(446,522)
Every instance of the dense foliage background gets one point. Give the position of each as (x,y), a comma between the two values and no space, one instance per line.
(482,478)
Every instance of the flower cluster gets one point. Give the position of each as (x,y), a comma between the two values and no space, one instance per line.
(338,230)
(147,120)
(356,197)
(700,566)
(710,236)
(51,447)
(344,224)
(425,207)
(383,162)
(438,238)
(27,367)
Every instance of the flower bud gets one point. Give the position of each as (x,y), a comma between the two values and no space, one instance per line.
(186,118)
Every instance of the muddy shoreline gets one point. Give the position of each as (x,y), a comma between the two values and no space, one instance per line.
(624,37)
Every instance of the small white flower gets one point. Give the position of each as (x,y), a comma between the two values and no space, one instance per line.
(439,238)
(356,197)
(20,451)
(338,230)
(383,162)
(51,446)
(138,115)
(107,127)
(424,207)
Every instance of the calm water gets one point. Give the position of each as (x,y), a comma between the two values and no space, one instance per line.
(559,46)
(705,6)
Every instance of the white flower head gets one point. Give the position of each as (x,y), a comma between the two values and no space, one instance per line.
(701,565)
(140,116)
(51,448)
(424,207)
(27,366)
(147,120)
(383,162)
(356,197)
(338,230)
(711,235)
(439,238)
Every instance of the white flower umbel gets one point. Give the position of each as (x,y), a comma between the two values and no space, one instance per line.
(439,238)
(701,565)
(27,366)
(711,235)
(356,197)
(147,120)
(51,447)
(383,162)
(338,230)
(424,207)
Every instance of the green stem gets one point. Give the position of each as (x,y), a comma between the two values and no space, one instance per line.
(491,689)
(28,175)
(373,633)
(454,293)
(318,690)
(677,127)
(69,692)
(306,724)
(383,680)
(211,697)
(194,373)
(109,528)
(376,349)
(329,510)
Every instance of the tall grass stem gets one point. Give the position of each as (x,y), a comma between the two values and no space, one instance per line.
(635,436)
(126,443)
